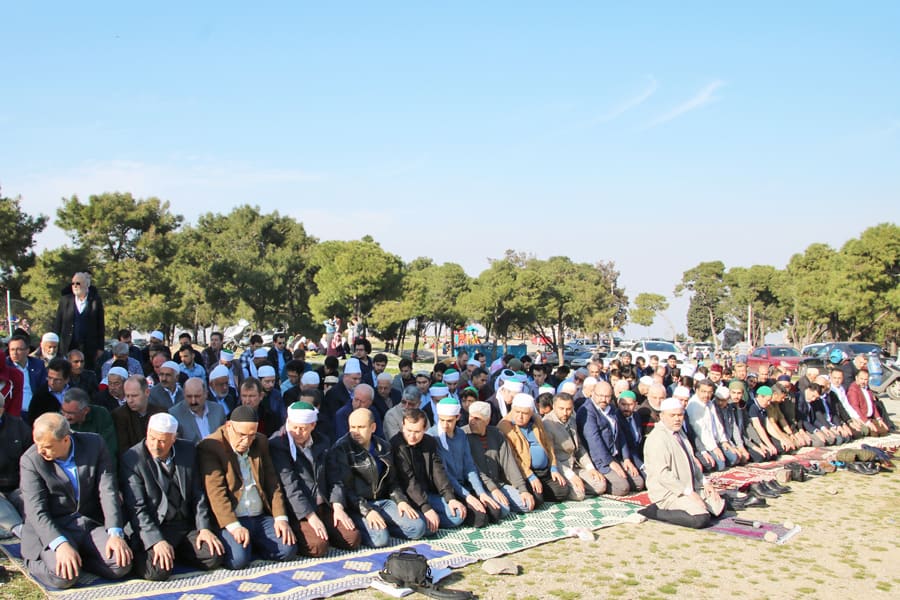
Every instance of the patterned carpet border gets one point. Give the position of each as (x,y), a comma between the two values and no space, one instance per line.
(341,571)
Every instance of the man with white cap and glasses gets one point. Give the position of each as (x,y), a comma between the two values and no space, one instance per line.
(342,393)
(113,396)
(453,448)
(168,392)
(166,504)
(679,491)
(220,392)
(298,453)
(501,401)
(495,461)
(533,450)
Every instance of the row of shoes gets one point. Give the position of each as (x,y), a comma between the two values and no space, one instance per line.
(864,468)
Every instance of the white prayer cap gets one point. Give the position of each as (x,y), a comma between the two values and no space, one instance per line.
(170,364)
(511,385)
(670,404)
(310,378)
(302,413)
(260,353)
(473,363)
(448,407)
(451,376)
(118,371)
(163,423)
(546,388)
(480,409)
(156,334)
(723,393)
(218,372)
(681,392)
(699,376)
(439,390)
(50,337)
(646,380)
(352,367)
(226,355)
(687,370)
(523,401)
(568,387)
(266,371)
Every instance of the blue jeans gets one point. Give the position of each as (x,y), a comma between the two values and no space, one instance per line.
(397,525)
(262,539)
(448,519)
(516,504)
(730,458)
(9,514)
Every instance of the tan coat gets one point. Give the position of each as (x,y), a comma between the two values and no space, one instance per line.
(520,447)
(668,468)
(222,476)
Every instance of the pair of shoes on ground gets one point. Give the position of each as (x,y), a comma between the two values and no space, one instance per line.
(864,468)
(768,489)
(742,503)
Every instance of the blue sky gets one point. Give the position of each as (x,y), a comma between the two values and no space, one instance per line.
(657,137)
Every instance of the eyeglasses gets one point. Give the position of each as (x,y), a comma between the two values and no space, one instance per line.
(76,284)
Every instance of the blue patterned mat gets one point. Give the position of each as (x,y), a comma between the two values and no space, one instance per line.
(341,571)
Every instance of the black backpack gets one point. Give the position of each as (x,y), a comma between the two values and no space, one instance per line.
(408,568)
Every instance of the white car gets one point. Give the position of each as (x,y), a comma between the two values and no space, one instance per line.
(658,348)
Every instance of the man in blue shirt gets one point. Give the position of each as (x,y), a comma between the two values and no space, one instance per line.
(73,516)
(453,448)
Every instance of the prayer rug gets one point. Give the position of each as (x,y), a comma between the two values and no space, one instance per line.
(735,478)
(641,499)
(780,533)
(341,571)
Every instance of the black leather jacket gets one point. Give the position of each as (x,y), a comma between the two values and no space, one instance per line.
(354,476)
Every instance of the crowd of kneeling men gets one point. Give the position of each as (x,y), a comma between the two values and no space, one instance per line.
(217,471)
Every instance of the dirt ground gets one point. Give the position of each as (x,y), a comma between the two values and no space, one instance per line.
(847,548)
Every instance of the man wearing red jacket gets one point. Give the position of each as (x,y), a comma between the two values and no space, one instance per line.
(863,402)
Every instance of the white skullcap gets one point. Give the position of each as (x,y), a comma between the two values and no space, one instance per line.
(699,376)
(481,409)
(226,355)
(523,401)
(118,371)
(448,407)
(170,364)
(266,371)
(473,363)
(219,372)
(451,376)
(589,381)
(260,353)
(646,380)
(670,404)
(302,413)
(511,385)
(723,393)
(310,378)
(352,367)
(438,390)
(50,337)
(681,392)
(568,387)
(687,370)
(156,334)
(545,388)
(163,422)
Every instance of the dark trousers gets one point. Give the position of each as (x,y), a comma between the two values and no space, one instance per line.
(89,538)
(553,492)
(184,541)
(310,544)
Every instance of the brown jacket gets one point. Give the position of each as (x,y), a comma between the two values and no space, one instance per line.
(222,476)
(520,447)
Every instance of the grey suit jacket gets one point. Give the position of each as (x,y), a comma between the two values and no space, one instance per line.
(667,467)
(145,499)
(50,500)
(160,397)
(187,425)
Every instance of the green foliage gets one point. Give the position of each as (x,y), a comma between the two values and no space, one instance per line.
(646,307)
(353,276)
(706,281)
(16,243)
(44,282)
(763,288)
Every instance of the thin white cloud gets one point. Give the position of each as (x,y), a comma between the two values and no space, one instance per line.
(699,100)
(627,105)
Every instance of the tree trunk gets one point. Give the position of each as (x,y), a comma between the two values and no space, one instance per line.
(415,351)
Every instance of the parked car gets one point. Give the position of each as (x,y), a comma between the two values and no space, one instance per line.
(811,349)
(786,357)
(820,359)
(658,348)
